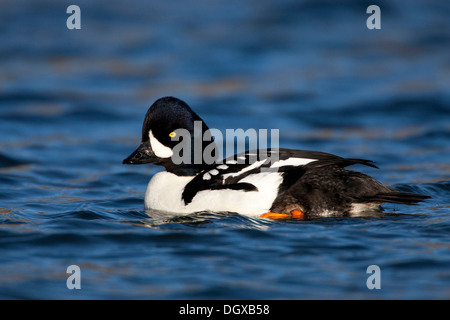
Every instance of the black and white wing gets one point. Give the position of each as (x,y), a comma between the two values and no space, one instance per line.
(289,163)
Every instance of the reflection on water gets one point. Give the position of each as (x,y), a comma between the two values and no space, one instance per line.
(169,221)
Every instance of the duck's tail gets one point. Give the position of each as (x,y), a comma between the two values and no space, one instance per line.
(396,196)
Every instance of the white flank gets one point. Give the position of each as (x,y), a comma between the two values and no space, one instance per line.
(158,148)
(164,192)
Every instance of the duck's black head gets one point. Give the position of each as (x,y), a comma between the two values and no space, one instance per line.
(173,136)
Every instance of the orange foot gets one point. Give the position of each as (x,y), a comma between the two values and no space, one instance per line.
(296,214)
(273,215)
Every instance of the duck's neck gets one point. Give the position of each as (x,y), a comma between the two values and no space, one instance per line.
(186,169)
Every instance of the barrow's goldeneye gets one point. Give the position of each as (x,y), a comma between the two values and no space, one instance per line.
(299,184)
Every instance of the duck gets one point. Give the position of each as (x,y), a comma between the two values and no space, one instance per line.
(272,183)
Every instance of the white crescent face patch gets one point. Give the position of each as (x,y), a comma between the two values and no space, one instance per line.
(158,148)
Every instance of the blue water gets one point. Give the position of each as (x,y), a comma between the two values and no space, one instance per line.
(72,103)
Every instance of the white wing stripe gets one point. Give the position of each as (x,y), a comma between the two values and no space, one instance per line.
(292,162)
(250,167)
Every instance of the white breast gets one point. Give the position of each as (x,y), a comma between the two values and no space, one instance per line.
(164,192)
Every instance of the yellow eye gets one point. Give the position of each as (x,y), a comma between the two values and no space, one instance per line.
(172,134)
